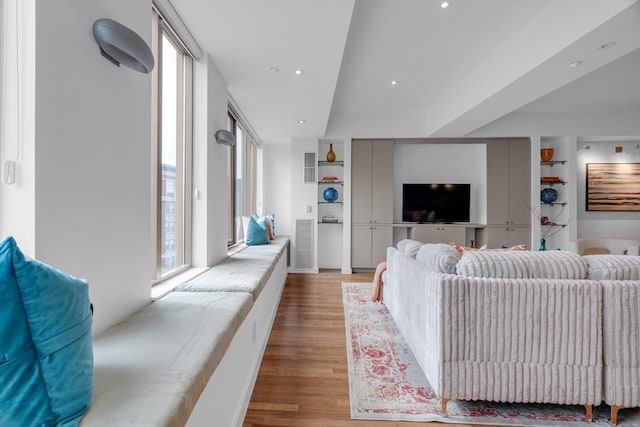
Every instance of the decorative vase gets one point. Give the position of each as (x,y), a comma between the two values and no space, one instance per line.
(330,194)
(331,155)
(546,154)
(548,195)
(543,245)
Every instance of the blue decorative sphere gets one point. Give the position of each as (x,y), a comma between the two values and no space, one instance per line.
(548,195)
(330,194)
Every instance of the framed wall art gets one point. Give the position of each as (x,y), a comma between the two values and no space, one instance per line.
(613,187)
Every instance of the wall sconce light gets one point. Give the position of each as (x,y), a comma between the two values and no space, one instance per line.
(121,45)
(225,137)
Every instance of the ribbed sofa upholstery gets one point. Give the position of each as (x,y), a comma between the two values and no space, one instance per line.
(621,328)
(533,334)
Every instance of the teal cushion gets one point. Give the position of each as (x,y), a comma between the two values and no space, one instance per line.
(46,356)
(256,234)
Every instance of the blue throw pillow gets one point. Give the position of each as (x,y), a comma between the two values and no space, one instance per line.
(46,355)
(256,235)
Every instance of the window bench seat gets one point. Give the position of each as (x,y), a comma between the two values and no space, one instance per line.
(192,357)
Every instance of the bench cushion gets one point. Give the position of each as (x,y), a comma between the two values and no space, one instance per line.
(245,271)
(151,369)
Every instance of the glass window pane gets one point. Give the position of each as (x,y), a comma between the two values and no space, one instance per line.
(169,153)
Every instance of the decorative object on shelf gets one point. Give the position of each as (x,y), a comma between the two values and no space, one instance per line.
(121,45)
(548,226)
(329,178)
(330,194)
(550,178)
(543,245)
(546,154)
(548,195)
(331,155)
(330,219)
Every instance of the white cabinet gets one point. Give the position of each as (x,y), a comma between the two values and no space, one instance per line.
(372,182)
(508,193)
(495,236)
(371,201)
(439,233)
(508,182)
(369,244)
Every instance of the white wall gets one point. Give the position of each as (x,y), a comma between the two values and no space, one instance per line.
(82,203)
(210,216)
(277,188)
(605,224)
(442,163)
(576,126)
(93,124)
(17,201)
(302,194)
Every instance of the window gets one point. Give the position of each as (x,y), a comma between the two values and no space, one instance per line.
(172,82)
(242,164)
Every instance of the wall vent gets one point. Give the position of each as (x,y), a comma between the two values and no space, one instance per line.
(304,244)
(309,167)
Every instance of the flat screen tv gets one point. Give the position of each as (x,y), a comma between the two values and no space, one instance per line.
(436,202)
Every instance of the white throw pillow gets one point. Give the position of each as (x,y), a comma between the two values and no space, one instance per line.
(438,257)
(409,247)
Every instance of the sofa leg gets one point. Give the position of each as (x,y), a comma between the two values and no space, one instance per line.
(444,401)
(614,414)
(589,409)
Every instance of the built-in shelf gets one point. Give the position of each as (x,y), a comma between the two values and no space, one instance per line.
(331,182)
(553,162)
(552,183)
(553,224)
(330,222)
(336,163)
(329,203)
(554,203)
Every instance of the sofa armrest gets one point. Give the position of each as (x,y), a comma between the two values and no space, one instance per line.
(534,336)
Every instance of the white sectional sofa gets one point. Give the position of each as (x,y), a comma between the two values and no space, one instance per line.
(519,326)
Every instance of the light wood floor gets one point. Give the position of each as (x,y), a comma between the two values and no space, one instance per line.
(303,380)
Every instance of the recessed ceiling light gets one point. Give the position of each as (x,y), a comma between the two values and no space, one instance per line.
(274,69)
(575,64)
(445,3)
(298,72)
(606,46)
(302,122)
(393,82)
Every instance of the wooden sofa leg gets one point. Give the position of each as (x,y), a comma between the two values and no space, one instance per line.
(444,401)
(614,414)
(589,409)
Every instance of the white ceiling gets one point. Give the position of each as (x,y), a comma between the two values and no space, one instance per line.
(457,69)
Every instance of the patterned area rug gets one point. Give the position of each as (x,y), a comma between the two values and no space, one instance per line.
(386,383)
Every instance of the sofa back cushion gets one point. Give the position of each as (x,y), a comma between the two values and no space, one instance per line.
(522,264)
(409,247)
(613,267)
(438,257)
